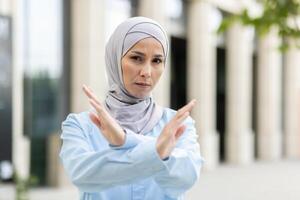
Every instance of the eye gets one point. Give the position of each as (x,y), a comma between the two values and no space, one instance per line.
(136,58)
(157,60)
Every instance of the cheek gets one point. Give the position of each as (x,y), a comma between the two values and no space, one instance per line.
(157,73)
(125,68)
(128,71)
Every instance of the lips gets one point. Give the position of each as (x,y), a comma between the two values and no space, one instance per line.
(143,84)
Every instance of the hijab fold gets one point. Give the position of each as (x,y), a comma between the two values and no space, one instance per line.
(137,114)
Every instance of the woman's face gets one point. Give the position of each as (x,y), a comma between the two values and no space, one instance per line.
(142,67)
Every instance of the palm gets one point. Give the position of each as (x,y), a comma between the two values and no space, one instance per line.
(110,129)
(172,131)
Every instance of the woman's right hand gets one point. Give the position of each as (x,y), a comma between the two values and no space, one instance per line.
(110,129)
(173,130)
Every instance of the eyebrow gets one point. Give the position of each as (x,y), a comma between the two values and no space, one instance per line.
(142,54)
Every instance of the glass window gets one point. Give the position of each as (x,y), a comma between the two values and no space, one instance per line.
(176,12)
(43,66)
(43,77)
(115,13)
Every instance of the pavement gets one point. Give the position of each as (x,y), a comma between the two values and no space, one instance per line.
(258,181)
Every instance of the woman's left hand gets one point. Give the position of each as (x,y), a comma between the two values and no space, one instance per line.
(110,129)
(173,130)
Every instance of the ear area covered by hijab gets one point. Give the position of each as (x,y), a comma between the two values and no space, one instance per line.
(136,114)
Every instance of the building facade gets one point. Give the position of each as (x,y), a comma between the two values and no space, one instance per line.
(248,92)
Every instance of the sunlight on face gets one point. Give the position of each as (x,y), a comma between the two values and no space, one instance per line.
(142,67)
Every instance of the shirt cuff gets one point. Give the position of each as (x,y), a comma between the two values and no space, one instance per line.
(165,159)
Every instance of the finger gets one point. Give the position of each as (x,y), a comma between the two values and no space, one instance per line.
(180,132)
(188,107)
(97,107)
(86,91)
(180,119)
(90,94)
(95,119)
(182,114)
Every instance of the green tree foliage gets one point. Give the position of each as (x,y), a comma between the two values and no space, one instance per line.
(275,13)
(23,185)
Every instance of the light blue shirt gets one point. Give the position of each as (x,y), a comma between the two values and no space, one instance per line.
(133,171)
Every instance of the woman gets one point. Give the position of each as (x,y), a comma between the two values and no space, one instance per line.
(129,147)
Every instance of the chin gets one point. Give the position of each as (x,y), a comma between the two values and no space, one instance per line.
(142,96)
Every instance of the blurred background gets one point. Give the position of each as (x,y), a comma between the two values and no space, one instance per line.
(248,92)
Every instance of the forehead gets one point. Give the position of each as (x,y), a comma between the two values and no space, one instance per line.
(148,45)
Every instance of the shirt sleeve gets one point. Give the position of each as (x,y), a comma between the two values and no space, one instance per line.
(182,168)
(93,171)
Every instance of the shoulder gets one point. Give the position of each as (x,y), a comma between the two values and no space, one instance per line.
(79,120)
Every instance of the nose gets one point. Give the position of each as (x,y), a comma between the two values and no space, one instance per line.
(146,71)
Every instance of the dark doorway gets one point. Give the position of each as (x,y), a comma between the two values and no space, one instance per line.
(5,90)
(178,72)
(221,99)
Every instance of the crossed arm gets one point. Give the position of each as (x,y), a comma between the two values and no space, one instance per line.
(134,158)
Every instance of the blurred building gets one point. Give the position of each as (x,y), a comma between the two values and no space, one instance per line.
(248,92)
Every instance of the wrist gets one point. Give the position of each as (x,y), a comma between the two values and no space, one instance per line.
(118,140)
(163,154)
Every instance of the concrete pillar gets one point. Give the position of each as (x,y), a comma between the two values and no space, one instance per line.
(269,97)
(202,78)
(88,47)
(21,144)
(5,7)
(87,67)
(239,134)
(291,102)
(150,8)
(56,176)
